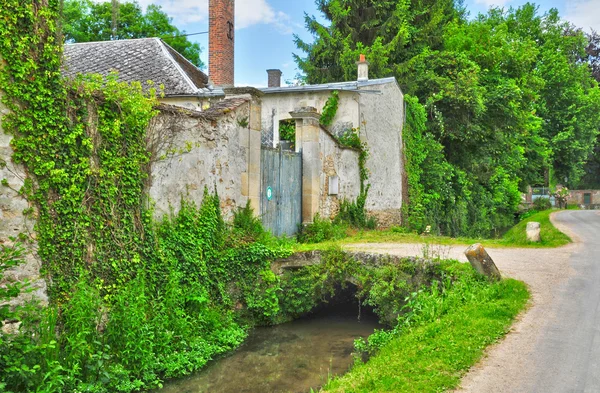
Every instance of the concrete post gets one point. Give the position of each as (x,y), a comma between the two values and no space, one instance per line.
(308,131)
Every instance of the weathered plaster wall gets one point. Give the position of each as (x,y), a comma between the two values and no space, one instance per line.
(13,222)
(343,163)
(277,107)
(378,111)
(381,122)
(191,103)
(198,151)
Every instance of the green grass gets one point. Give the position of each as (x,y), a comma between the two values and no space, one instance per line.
(515,237)
(551,237)
(434,354)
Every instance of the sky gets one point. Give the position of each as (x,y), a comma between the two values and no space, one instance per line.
(265,28)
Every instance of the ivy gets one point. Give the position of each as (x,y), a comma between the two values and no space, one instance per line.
(132,301)
(355,213)
(330,109)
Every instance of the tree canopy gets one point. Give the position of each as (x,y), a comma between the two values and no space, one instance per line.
(85,21)
(508,99)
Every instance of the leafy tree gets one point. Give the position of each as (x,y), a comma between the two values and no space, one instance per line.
(85,21)
(505,97)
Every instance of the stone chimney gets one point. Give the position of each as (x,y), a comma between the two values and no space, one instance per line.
(363,69)
(274,78)
(221,15)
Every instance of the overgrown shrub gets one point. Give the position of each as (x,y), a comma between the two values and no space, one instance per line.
(541,204)
(246,225)
(320,230)
(173,316)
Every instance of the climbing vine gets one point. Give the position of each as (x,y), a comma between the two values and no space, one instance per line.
(330,109)
(83,146)
(132,301)
(355,213)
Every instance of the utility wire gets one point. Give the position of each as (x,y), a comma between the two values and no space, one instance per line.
(184,35)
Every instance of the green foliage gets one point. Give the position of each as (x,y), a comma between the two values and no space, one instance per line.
(184,305)
(330,109)
(442,333)
(246,224)
(10,257)
(551,237)
(132,301)
(86,21)
(542,204)
(287,130)
(320,230)
(355,213)
(484,118)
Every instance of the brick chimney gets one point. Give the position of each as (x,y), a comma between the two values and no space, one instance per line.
(363,69)
(274,78)
(221,15)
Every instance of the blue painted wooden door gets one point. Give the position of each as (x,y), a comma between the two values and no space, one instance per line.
(281,191)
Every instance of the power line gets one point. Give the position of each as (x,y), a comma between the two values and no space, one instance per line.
(184,35)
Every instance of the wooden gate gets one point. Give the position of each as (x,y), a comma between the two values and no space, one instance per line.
(281,191)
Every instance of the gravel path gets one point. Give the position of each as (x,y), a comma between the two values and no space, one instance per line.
(515,364)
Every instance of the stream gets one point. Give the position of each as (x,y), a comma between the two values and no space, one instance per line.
(291,357)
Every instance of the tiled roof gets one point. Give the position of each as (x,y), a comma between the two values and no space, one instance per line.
(140,60)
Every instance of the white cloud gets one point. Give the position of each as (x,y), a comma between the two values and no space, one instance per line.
(492,3)
(583,13)
(247,13)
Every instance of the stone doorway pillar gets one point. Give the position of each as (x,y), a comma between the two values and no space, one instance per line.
(308,130)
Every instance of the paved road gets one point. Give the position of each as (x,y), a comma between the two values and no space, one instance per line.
(566,357)
(555,346)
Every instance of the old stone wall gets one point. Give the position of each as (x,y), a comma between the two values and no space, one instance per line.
(219,148)
(577,197)
(341,164)
(13,222)
(381,122)
(377,110)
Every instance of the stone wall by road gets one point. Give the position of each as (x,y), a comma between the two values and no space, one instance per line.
(576,197)
(377,110)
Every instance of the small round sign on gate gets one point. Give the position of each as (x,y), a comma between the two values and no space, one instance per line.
(269,193)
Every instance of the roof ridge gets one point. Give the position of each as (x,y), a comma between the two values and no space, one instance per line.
(176,64)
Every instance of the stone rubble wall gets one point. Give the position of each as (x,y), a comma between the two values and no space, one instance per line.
(13,222)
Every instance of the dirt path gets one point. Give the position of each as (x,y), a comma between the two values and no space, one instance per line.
(506,368)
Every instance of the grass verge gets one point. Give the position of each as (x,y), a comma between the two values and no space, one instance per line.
(432,347)
(551,237)
(514,237)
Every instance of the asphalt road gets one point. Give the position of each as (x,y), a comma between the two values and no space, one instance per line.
(554,347)
(566,356)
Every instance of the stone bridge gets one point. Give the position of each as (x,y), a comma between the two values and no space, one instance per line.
(309,258)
